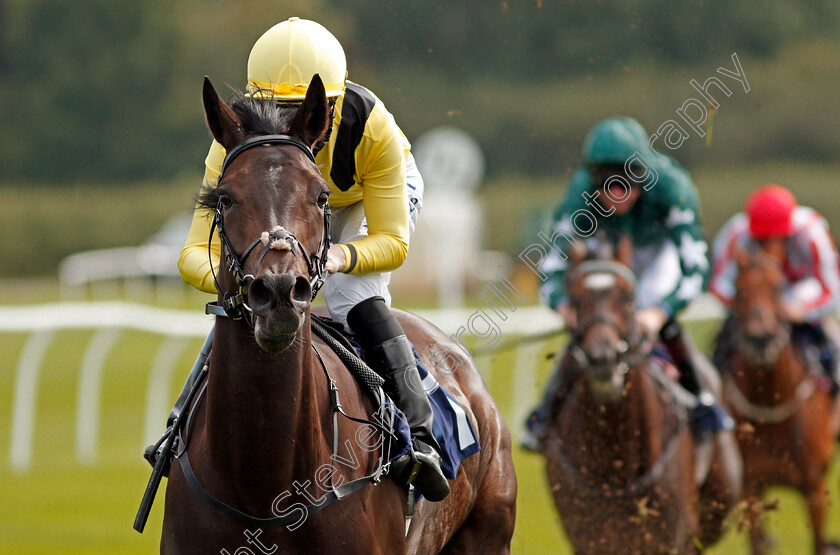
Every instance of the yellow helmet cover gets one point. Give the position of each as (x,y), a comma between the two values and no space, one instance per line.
(284,59)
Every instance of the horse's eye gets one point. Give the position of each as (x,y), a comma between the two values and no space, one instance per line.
(225,201)
(322,199)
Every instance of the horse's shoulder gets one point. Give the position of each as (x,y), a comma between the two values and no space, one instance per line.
(445,358)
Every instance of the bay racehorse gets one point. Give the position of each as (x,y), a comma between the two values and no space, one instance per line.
(620,454)
(265,441)
(787,423)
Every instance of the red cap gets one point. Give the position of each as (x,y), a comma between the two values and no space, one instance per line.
(770,210)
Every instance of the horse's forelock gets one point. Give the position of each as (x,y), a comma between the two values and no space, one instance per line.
(263,116)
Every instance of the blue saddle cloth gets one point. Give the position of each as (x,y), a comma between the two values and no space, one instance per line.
(452,429)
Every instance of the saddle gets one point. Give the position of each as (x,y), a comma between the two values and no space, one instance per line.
(452,429)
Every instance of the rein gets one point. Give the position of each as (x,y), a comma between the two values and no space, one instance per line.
(334,494)
(236,305)
(387,416)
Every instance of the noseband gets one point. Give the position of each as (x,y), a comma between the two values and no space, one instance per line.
(235,306)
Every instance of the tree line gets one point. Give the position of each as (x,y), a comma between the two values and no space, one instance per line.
(103,90)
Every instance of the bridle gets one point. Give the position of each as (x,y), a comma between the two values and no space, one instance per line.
(629,348)
(235,306)
(765,355)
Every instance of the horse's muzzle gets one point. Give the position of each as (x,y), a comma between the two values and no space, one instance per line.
(606,380)
(279,302)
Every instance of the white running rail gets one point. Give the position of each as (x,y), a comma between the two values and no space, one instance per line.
(111,319)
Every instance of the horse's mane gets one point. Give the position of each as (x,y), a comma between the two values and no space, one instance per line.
(258,117)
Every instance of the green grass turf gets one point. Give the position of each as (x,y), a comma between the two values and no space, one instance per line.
(61,507)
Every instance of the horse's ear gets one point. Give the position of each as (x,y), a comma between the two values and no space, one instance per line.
(222,121)
(577,253)
(312,118)
(624,251)
(741,256)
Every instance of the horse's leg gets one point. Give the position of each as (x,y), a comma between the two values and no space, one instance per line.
(760,541)
(817,500)
(721,490)
(489,526)
(751,516)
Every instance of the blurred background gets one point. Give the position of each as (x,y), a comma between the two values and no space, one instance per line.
(103,142)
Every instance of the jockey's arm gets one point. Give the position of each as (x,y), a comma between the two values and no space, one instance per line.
(659,271)
(195,264)
(385,199)
(815,296)
(685,233)
(724,268)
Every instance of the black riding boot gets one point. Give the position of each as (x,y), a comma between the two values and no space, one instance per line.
(808,334)
(829,359)
(708,417)
(537,422)
(389,353)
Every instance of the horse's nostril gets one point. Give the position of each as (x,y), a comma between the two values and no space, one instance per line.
(302,291)
(259,294)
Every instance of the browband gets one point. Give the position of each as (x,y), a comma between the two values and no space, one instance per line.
(265,140)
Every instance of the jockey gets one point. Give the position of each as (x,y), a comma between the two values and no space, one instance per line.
(628,189)
(810,265)
(376,195)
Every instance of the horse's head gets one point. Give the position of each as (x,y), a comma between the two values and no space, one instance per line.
(758,292)
(602,292)
(270,209)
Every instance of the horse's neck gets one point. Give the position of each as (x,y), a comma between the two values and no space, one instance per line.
(774,384)
(264,414)
(627,437)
